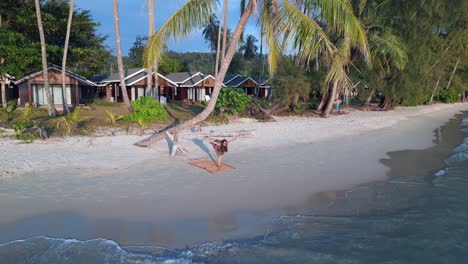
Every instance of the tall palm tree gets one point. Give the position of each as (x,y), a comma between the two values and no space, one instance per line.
(154,68)
(210,34)
(388,52)
(249,48)
(3,80)
(282,21)
(225,28)
(64,59)
(45,74)
(119,57)
(218,50)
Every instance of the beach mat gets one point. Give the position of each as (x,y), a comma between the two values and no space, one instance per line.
(211,166)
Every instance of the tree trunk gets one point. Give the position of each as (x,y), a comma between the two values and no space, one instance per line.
(453,73)
(225,25)
(434,90)
(218,50)
(326,111)
(218,83)
(64,59)
(324,100)
(119,57)
(369,98)
(150,70)
(3,87)
(261,63)
(50,102)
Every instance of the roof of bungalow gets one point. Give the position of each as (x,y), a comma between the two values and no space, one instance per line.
(36,73)
(143,75)
(264,83)
(188,79)
(238,80)
(114,77)
(229,77)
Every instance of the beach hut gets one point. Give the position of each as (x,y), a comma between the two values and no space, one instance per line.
(191,86)
(136,85)
(250,85)
(79,90)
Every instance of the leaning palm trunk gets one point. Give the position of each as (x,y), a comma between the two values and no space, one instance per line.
(217,88)
(119,57)
(453,73)
(64,59)
(3,87)
(331,98)
(50,102)
(434,90)
(369,98)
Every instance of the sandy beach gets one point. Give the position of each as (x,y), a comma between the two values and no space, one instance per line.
(122,188)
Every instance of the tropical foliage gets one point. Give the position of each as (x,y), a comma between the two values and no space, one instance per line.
(232,101)
(146,109)
(19,40)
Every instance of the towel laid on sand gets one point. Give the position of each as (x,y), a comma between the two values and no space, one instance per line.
(211,166)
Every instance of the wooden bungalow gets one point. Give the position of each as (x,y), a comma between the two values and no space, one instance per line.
(79,90)
(248,84)
(136,82)
(192,87)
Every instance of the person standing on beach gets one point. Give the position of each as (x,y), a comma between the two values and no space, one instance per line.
(220,147)
(337,104)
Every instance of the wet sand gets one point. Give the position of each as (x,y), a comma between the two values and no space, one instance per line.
(167,202)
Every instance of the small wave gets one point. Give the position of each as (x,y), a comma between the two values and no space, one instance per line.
(440,173)
(458,157)
(463,147)
(42,250)
(464,122)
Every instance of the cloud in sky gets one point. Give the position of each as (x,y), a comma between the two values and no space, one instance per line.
(134,21)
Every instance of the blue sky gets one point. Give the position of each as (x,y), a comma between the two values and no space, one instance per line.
(134,21)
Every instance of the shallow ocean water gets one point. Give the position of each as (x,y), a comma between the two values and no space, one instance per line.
(418,215)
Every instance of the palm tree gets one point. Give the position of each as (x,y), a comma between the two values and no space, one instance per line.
(123,86)
(154,68)
(281,20)
(64,60)
(249,48)
(50,102)
(210,34)
(388,52)
(3,80)
(225,28)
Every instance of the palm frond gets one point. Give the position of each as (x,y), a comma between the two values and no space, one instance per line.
(269,25)
(388,49)
(193,14)
(306,36)
(340,18)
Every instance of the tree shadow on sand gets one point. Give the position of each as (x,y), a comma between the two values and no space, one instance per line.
(201,144)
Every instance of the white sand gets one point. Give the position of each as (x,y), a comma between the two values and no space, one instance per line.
(282,167)
(118,151)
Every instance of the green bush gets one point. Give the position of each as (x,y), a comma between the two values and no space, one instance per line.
(233,101)
(21,131)
(449,96)
(22,125)
(146,108)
